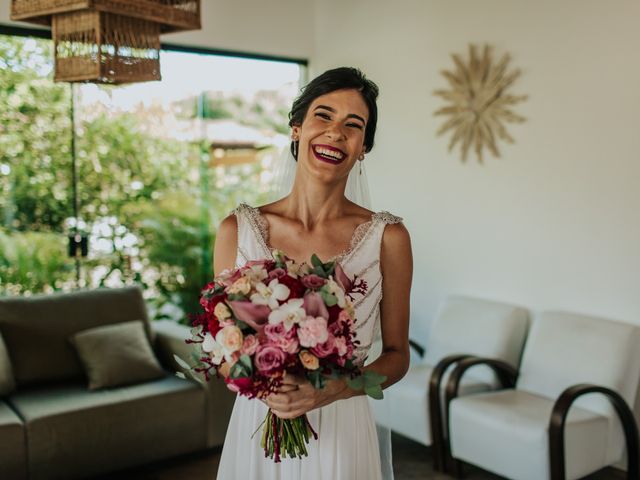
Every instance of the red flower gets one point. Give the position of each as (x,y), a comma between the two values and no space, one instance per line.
(296,287)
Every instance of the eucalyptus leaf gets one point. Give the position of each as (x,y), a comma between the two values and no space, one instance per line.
(372,378)
(320,271)
(374,392)
(181,362)
(355,383)
(181,375)
(316,262)
(239,371)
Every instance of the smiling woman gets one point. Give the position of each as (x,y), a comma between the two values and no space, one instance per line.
(333,125)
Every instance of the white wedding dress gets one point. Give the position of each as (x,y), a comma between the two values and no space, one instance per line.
(347,445)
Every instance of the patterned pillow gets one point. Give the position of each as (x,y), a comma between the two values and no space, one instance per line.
(7,382)
(117,355)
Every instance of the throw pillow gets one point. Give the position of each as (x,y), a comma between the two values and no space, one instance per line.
(116,355)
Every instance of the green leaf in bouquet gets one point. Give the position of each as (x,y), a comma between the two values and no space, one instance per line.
(329,298)
(374,392)
(242,368)
(356,383)
(181,375)
(320,271)
(330,268)
(236,296)
(316,379)
(195,357)
(316,262)
(181,362)
(372,378)
(241,325)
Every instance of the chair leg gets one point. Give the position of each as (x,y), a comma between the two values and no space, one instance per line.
(455,468)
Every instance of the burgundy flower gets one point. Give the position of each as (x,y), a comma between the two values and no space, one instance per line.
(295,286)
(238,385)
(313,281)
(277,273)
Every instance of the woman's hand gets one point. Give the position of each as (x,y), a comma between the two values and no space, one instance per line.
(297,396)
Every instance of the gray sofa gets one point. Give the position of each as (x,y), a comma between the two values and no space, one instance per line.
(53,426)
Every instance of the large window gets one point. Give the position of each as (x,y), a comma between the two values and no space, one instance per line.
(114,185)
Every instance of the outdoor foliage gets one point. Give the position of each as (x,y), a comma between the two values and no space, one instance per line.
(149,205)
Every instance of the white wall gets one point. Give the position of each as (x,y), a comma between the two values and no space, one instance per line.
(274,27)
(555,222)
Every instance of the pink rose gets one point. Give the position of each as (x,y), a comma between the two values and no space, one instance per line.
(312,331)
(279,336)
(313,281)
(269,359)
(250,345)
(325,349)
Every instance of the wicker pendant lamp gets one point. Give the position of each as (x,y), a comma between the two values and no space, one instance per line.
(108,41)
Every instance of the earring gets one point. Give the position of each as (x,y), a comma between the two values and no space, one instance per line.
(295,147)
(360,167)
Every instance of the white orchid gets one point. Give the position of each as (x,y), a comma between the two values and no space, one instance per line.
(296,270)
(270,295)
(213,348)
(255,273)
(337,291)
(289,313)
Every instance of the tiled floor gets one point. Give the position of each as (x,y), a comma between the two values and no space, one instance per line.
(411,461)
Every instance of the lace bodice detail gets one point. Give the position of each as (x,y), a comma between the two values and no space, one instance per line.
(261,227)
(361,258)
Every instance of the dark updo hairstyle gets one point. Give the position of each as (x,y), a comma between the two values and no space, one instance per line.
(330,81)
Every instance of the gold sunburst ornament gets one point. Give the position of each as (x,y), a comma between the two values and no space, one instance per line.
(479,105)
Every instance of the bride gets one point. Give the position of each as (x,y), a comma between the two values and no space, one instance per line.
(333,124)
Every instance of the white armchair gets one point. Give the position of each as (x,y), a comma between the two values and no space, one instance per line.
(462,324)
(532,431)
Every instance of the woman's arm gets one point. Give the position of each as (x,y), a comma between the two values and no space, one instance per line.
(226,245)
(224,256)
(396,263)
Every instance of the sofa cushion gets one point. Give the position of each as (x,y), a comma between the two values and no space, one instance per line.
(7,383)
(115,355)
(36,329)
(13,454)
(73,432)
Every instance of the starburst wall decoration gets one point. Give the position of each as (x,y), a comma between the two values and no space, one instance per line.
(478,102)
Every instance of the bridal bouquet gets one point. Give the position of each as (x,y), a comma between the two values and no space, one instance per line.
(272,317)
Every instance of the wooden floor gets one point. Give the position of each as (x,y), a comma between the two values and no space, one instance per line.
(411,461)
